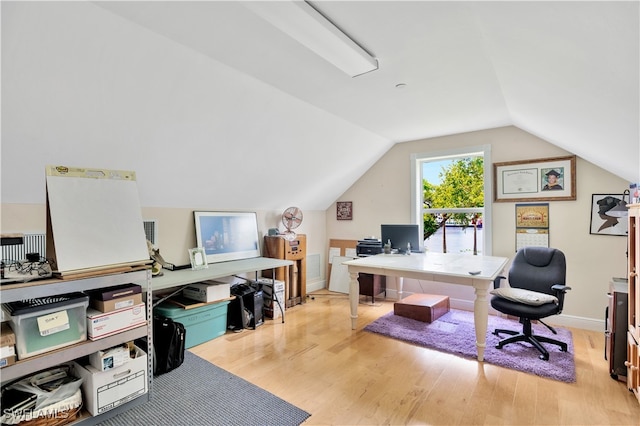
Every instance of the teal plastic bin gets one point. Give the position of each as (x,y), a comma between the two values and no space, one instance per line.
(202,324)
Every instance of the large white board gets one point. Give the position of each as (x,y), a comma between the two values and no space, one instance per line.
(94,219)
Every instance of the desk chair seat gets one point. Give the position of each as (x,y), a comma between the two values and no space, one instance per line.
(538,271)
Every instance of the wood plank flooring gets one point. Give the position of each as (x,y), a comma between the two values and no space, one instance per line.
(352,377)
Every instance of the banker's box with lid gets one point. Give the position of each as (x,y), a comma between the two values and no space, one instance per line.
(44,324)
(202,324)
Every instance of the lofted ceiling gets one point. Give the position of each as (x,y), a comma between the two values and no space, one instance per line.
(223,98)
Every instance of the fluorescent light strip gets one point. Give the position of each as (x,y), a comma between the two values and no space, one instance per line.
(302,22)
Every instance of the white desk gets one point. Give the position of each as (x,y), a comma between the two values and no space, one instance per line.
(448,268)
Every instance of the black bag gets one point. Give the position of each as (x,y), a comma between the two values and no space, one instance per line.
(168,344)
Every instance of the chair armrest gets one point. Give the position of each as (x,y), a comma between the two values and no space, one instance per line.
(496,281)
(560,291)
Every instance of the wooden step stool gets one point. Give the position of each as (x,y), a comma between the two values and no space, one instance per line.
(422,307)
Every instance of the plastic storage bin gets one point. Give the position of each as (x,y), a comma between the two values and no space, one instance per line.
(48,323)
(202,324)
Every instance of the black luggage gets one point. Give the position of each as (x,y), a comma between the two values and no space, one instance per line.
(168,344)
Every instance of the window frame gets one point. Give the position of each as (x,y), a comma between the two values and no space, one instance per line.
(417,201)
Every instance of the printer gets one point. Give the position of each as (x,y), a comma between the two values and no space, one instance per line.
(369,247)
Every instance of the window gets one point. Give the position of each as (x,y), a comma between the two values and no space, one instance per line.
(467,228)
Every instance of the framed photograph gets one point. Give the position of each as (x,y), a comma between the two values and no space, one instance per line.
(344,210)
(227,235)
(601,223)
(198,258)
(544,179)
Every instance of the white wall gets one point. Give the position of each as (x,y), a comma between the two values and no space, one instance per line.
(383,195)
(176,230)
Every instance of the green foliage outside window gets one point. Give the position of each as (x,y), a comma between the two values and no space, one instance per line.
(462,185)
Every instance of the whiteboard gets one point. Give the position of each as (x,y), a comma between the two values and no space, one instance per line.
(94,219)
(340,278)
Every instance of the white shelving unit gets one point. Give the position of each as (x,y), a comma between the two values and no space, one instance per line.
(50,287)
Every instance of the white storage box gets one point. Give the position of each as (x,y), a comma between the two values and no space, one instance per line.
(271,308)
(48,323)
(207,291)
(105,390)
(103,324)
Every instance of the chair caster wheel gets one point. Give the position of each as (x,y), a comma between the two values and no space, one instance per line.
(498,346)
(544,357)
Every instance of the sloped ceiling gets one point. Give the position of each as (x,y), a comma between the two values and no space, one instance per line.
(213,106)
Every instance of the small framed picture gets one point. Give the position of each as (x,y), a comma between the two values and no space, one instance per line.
(198,258)
(344,210)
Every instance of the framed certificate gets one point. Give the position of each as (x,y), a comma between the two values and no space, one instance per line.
(545,179)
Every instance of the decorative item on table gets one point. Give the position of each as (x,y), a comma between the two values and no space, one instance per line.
(158,261)
(198,258)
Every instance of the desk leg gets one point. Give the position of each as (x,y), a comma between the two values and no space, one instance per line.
(354,295)
(400,286)
(481,316)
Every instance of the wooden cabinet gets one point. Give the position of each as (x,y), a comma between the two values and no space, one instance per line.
(295,279)
(633,332)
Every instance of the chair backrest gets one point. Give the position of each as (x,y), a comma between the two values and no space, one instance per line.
(537,269)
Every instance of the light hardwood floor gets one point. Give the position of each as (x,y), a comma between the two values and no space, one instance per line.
(352,377)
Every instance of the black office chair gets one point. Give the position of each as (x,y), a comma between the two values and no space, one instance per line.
(537,289)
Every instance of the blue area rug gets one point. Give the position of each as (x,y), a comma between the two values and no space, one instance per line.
(200,393)
(454,333)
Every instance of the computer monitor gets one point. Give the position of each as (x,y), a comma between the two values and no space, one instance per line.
(400,236)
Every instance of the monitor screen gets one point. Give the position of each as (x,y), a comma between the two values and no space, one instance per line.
(400,236)
(227,235)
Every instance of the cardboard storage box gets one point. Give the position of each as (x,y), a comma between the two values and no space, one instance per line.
(7,345)
(271,309)
(202,324)
(48,323)
(103,324)
(105,390)
(207,291)
(116,304)
(115,292)
(7,361)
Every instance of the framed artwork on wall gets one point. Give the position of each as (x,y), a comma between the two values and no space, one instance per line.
(344,210)
(227,236)
(601,222)
(544,179)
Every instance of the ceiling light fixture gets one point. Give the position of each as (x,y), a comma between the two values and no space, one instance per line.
(305,24)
